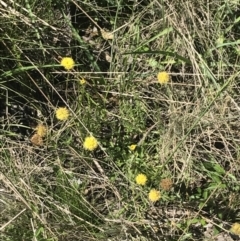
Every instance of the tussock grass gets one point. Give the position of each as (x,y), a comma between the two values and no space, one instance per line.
(185,132)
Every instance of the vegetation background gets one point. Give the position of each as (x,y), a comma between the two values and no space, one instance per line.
(186,132)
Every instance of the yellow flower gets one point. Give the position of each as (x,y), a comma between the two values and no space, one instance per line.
(235,228)
(132,147)
(41,130)
(163,77)
(141,179)
(154,195)
(82,81)
(62,113)
(90,143)
(67,62)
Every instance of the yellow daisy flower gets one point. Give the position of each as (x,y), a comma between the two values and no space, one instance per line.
(41,130)
(141,179)
(67,62)
(235,228)
(132,147)
(154,195)
(90,143)
(82,81)
(62,113)
(163,77)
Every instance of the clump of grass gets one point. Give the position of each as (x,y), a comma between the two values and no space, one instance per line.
(128,146)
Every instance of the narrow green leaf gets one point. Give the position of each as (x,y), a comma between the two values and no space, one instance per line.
(164,32)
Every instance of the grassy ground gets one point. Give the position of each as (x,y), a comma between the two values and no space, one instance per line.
(186,132)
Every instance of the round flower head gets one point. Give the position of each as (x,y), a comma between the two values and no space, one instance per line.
(163,77)
(141,179)
(37,140)
(166,184)
(132,147)
(62,113)
(154,195)
(235,228)
(41,130)
(67,62)
(82,81)
(90,143)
